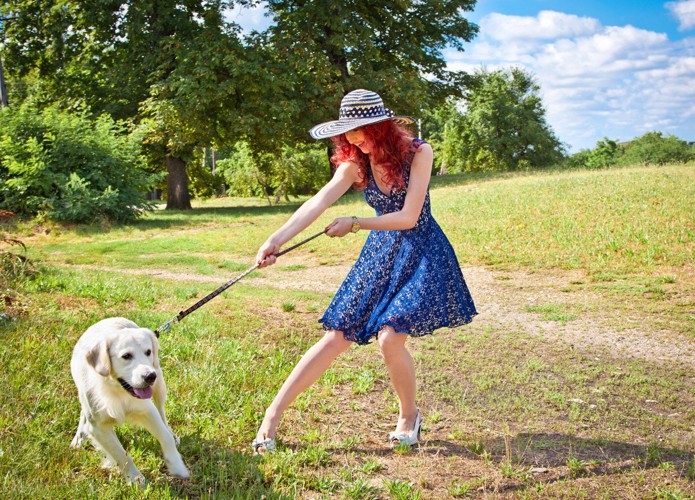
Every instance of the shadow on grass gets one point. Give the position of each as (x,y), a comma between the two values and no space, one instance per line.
(558,457)
(216,471)
(555,457)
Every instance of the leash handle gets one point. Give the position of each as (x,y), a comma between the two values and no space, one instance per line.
(212,295)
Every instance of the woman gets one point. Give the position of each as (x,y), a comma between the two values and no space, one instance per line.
(406,281)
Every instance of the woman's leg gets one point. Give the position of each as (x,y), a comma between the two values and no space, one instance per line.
(312,365)
(401,370)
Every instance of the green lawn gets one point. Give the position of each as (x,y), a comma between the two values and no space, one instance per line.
(575,381)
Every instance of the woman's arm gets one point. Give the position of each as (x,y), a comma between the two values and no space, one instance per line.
(345,176)
(406,218)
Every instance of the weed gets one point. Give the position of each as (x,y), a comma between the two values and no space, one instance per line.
(364,382)
(653,454)
(459,489)
(371,466)
(552,312)
(402,490)
(359,489)
(14,266)
(663,494)
(288,306)
(402,449)
(690,470)
(478,447)
(577,468)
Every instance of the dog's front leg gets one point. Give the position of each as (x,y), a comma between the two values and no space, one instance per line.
(153,422)
(81,431)
(158,398)
(106,440)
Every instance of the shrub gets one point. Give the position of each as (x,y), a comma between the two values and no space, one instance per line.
(296,170)
(653,148)
(69,166)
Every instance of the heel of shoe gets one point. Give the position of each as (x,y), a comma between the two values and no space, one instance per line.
(418,425)
(408,438)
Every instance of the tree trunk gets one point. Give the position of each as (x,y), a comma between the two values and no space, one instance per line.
(3,89)
(178,197)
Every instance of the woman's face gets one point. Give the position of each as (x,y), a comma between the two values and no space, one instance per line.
(356,137)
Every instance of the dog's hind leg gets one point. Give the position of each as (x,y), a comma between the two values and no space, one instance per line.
(158,428)
(106,440)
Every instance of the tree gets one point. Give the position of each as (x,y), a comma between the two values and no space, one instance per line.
(654,148)
(605,154)
(190,80)
(393,48)
(112,56)
(499,125)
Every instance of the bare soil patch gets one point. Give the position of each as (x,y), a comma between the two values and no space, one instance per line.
(504,298)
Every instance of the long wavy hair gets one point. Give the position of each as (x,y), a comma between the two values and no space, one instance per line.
(390,144)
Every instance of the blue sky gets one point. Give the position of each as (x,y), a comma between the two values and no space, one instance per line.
(611,68)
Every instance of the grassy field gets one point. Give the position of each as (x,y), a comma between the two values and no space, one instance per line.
(577,379)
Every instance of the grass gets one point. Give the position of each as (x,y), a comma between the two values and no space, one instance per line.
(528,386)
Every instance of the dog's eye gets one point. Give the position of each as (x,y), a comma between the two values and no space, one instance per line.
(127,356)
(148,352)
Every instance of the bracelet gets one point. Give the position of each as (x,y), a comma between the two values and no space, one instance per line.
(355,224)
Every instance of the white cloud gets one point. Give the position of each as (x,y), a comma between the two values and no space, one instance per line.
(547,25)
(684,12)
(596,81)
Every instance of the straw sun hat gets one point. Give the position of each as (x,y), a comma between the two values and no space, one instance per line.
(357,109)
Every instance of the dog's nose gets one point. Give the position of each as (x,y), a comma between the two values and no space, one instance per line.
(151,377)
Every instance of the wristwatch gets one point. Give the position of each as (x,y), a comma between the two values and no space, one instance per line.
(355,224)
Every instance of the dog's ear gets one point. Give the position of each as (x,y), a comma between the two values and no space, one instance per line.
(155,350)
(98,357)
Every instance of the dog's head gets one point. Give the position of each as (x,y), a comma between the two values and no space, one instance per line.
(128,355)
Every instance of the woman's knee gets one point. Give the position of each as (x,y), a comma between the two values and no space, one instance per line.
(335,340)
(390,341)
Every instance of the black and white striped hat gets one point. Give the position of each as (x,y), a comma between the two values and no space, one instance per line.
(357,109)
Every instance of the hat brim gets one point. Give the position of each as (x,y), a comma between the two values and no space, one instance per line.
(337,127)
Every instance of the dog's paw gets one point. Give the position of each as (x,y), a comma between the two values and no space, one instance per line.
(108,464)
(137,479)
(76,442)
(177,468)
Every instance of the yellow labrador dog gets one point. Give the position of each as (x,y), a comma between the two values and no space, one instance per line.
(118,378)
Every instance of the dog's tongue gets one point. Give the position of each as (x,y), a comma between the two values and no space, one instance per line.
(145,393)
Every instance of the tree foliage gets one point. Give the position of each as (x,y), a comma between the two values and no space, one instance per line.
(393,48)
(655,148)
(652,148)
(499,125)
(69,166)
(192,80)
(295,171)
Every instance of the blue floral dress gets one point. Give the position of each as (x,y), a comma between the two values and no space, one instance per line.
(408,279)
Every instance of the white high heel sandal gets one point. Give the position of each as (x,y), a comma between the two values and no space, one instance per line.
(410,438)
(263,446)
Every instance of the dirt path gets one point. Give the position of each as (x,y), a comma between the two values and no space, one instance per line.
(506,299)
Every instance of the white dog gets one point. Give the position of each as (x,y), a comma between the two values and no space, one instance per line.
(116,370)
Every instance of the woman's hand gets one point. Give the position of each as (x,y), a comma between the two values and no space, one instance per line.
(266,254)
(339,227)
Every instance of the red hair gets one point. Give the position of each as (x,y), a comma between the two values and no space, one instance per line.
(390,145)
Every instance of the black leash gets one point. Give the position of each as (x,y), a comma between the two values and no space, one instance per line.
(212,295)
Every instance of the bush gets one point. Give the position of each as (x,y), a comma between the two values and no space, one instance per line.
(653,148)
(70,167)
(297,170)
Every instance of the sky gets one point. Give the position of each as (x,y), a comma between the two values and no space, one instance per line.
(609,68)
